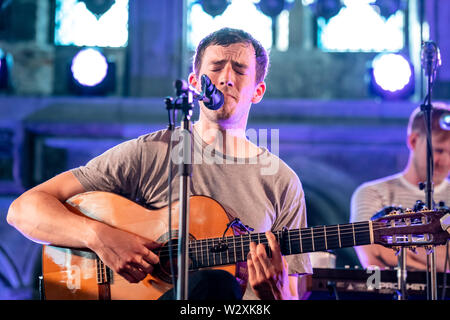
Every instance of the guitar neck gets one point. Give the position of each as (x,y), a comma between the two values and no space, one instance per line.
(232,249)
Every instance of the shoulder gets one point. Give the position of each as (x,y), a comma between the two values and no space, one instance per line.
(380,185)
(443,188)
(154,141)
(283,175)
(446,183)
(162,135)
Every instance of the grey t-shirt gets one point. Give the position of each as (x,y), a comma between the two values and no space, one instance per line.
(263,192)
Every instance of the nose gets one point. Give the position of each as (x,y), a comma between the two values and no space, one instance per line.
(226,77)
(227,83)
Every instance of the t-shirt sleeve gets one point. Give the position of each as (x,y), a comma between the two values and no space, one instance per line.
(116,170)
(293,216)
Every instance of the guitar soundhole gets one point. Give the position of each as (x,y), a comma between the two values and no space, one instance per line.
(163,269)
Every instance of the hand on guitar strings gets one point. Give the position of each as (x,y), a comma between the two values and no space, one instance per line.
(127,254)
(268,276)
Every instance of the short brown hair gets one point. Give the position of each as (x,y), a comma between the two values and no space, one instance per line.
(417,120)
(227,36)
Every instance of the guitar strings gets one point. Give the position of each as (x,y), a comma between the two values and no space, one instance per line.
(242,241)
(317,232)
(315,235)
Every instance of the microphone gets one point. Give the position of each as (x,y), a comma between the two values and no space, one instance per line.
(430,58)
(214,97)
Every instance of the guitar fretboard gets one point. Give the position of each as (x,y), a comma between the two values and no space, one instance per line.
(206,253)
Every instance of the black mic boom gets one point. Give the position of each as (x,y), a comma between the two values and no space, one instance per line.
(215,98)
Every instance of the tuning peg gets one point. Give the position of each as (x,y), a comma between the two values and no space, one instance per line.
(429,249)
(413,249)
(397,250)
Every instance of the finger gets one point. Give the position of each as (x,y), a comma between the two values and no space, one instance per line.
(151,258)
(250,268)
(137,273)
(150,244)
(132,274)
(266,264)
(143,266)
(275,248)
(259,272)
(127,276)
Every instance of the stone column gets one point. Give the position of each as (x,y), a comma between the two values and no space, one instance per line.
(155,47)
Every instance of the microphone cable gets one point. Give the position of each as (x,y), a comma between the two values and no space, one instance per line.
(171,129)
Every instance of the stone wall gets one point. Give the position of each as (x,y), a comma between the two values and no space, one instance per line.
(156,54)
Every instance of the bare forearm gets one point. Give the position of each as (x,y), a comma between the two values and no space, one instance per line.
(43,218)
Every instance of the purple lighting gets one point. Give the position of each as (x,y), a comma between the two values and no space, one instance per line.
(89,67)
(392,76)
(444,121)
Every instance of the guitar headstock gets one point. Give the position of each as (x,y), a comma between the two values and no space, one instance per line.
(412,228)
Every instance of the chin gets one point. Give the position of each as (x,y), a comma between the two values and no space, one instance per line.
(223,113)
(440,178)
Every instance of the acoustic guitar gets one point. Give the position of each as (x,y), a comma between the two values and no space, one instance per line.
(79,274)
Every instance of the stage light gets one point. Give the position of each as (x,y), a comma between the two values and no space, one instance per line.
(89,67)
(391,76)
(325,8)
(91,73)
(214,7)
(444,121)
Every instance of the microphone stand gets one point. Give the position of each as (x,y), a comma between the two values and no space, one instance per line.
(184,102)
(186,95)
(401,275)
(426,107)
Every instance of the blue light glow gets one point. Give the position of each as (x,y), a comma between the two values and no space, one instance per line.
(392,72)
(359,27)
(89,67)
(76,25)
(444,121)
(240,14)
(1,58)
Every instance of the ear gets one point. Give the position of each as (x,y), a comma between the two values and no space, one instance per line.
(412,140)
(258,94)
(193,80)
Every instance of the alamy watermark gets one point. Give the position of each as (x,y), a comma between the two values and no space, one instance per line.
(374,281)
(212,152)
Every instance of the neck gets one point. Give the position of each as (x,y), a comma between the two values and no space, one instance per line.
(412,175)
(231,141)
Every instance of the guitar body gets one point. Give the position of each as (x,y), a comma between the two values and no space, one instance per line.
(79,274)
